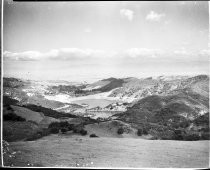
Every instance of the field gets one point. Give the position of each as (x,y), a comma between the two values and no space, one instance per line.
(78,151)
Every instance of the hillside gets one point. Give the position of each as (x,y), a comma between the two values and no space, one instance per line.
(167,113)
(140,88)
(105,85)
(157,104)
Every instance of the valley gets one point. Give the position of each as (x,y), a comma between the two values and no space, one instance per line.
(99,122)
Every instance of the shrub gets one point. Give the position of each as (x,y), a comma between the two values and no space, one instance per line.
(139,132)
(63,130)
(54,125)
(71,127)
(83,132)
(13,117)
(191,137)
(39,134)
(93,135)
(34,137)
(77,128)
(154,138)
(177,137)
(54,130)
(120,131)
(44,132)
(76,131)
(184,124)
(9,108)
(64,124)
(205,136)
(144,131)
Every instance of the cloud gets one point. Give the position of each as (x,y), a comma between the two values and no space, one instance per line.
(153,16)
(139,52)
(23,56)
(182,51)
(54,54)
(127,13)
(77,54)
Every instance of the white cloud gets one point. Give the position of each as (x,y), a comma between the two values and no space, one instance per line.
(182,51)
(92,54)
(127,13)
(153,16)
(138,52)
(24,56)
(54,54)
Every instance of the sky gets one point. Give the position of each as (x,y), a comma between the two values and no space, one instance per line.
(87,41)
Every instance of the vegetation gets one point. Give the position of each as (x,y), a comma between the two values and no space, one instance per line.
(83,132)
(65,126)
(39,134)
(139,132)
(64,130)
(120,131)
(18,130)
(54,130)
(8,101)
(93,135)
(12,117)
(48,112)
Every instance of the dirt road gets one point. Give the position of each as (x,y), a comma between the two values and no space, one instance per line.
(78,151)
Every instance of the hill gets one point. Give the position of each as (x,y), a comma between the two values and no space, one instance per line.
(168,113)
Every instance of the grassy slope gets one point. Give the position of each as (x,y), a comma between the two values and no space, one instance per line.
(72,151)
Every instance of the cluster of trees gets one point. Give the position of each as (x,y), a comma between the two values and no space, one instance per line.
(55,127)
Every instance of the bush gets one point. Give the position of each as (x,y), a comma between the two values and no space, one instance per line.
(64,124)
(191,137)
(63,130)
(34,137)
(184,124)
(205,136)
(44,132)
(71,127)
(145,131)
(54,125)
(77,128)
(93,136)
(139,132)
(177,137)
(39,134)
(120,131)
(13,117)
(83,132)
(54,130)
(154,138)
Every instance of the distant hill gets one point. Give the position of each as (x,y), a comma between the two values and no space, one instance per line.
(105,84)
(140,88)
